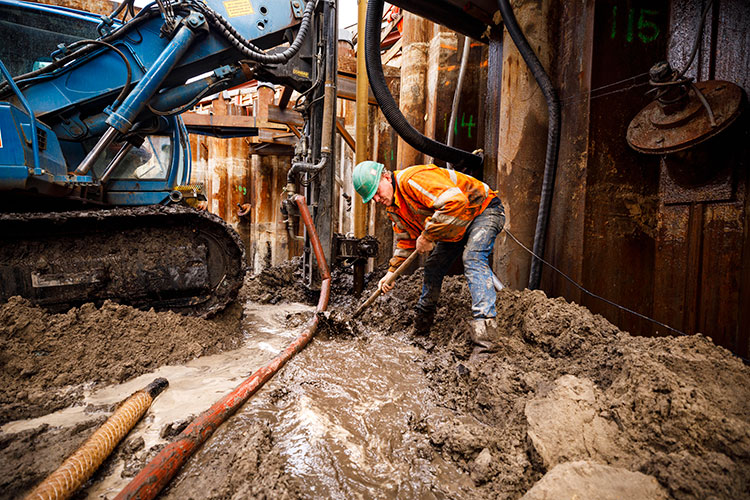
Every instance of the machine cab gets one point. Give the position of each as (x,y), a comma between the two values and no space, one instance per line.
(146,171)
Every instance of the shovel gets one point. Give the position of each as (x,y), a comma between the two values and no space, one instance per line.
(390,280)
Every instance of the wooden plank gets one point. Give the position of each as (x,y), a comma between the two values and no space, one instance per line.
(346,88)
(285,116)
(285,95)
(214,120)
(273,137)
(345,134)
(391,53)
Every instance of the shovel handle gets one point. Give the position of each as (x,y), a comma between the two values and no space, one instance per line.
(399,270)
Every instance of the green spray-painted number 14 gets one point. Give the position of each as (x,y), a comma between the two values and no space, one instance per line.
(647,30)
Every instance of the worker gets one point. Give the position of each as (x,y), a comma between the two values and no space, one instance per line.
(447,213)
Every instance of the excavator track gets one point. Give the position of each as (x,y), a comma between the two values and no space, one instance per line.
(175,258)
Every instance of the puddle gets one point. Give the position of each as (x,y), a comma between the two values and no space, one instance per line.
(344,426)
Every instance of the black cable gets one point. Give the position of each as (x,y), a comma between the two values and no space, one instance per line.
(464,160)
(128,80)
(246,47)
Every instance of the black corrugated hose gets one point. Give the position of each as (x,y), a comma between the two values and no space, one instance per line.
(461,159)
(553,136)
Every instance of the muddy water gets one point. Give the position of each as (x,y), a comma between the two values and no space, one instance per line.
(346,429)
(344,417)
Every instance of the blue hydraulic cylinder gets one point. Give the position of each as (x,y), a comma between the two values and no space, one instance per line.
(124,117)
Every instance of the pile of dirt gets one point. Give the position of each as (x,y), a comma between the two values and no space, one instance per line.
(568,386)
(282,283)
(47,358)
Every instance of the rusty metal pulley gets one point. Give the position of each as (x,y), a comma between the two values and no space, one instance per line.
(683,114)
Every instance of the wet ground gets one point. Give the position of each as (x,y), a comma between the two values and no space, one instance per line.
(367,411)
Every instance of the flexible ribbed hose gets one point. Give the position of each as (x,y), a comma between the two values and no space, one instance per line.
(82,464)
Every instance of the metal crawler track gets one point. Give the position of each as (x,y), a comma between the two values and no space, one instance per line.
(173,258)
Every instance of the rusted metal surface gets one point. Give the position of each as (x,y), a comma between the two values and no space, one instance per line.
(655,130)
(621,185)
(565,240)
(468,127)
(412,91)
(247,170)
(703,277)
(442,73)
(666,236)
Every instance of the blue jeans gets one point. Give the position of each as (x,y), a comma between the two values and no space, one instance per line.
(475,247)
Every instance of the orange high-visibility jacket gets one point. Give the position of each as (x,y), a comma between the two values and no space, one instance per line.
(435,202)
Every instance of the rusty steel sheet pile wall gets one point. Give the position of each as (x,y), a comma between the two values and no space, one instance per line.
(666,236)
(234,173)
(703,283)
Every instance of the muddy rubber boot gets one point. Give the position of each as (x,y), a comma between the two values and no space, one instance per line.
(422,323)
(485,338)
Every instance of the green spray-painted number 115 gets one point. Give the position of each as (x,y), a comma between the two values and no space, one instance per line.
(647,30)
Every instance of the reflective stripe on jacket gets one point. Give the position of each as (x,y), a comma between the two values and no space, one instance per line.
(436,202)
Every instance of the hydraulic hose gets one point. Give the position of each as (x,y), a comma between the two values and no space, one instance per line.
(160,470)
(329,100)
(553,136)
(251,51)
(82,464)
(397,120)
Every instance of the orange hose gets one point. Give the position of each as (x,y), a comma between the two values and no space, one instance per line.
(163,467)
(82,464)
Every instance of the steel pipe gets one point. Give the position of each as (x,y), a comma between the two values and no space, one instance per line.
(164,466)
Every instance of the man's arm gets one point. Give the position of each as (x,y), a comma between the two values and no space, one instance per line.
(405,245)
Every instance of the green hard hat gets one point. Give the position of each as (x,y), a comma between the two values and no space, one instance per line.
(366,177)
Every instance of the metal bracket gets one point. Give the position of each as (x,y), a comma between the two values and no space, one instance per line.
(297,7)
(347,250)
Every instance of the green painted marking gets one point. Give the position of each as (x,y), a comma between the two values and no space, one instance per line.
(614,22)
(648,31)
(631,19)
(468,124)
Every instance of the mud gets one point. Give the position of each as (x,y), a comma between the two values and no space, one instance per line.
(49,360)
(368,411)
